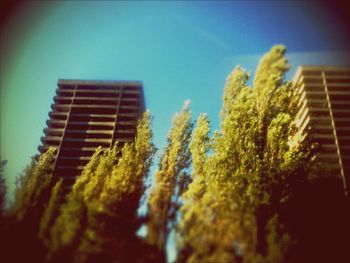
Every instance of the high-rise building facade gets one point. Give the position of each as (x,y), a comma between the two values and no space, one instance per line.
(87,114)
(324,113)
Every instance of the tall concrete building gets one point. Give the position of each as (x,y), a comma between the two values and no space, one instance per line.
(324,113)
(88,114)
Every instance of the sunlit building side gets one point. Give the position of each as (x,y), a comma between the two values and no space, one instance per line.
(324,114)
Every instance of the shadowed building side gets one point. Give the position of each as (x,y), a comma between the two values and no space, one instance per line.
(88,114)
(324,112)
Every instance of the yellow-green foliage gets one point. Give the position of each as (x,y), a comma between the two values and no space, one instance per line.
(269,76)
(128,174)
(234,83)
(35,179)
(277,138)
(50,212)
(193,225)
(199,145)
(68,224)
(88,172)
(112,216)
(94,187)
(250,158)
(175,159)
(100,192)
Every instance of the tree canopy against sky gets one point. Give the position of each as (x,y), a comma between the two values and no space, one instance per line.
(170,180)
(179,50)
(240,201)
(231,207)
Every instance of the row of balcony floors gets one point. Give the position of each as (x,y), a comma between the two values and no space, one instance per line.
(318,112)
(332,87)
(98,97)
(73,158)
(323,124)
(89,114)
(314,117)
(79,138)
(319,98)
(82,133)
(324,136)
(59,99)
(90,124)
(98,85)
(91,89)
(93,108)
(322,76)
(321,129)
(92,138)
(316,105)
(327,157)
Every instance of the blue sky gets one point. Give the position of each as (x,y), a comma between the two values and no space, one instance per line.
(179,50)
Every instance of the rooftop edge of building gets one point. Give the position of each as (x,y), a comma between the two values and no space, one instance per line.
(106,83)
(302,68)
(99,82)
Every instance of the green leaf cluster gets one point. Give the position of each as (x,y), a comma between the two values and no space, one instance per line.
(100,212)
(228,197)
(170,180)
(245,174)
(33,184)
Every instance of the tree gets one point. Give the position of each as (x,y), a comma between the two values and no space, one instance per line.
(234,151)
(51,212)
(33,184)
(191,230)
(2,187)
(69,224)
(23,218)
(112,215)
(100,215)
(170,180)
(250,170)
